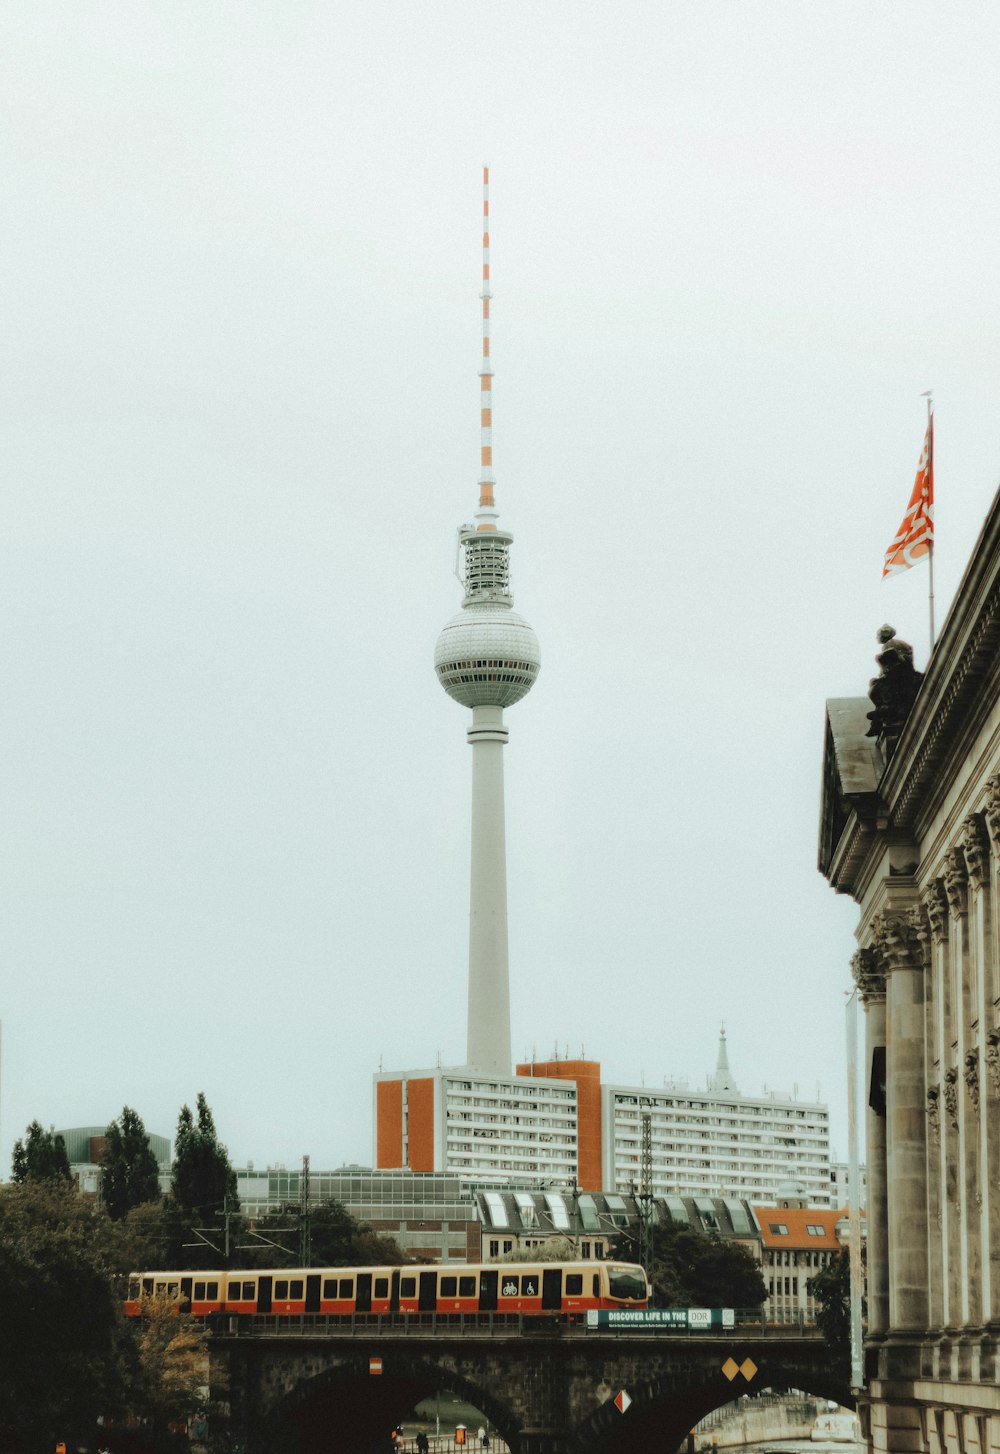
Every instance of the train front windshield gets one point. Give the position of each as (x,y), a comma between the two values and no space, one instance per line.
(628,1284)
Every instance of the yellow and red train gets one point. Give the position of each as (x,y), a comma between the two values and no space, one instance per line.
(509,1287)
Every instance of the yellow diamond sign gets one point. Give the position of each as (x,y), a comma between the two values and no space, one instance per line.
(730,1368)
(748,1368)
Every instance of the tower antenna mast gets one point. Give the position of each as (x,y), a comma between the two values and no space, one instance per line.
(486,515)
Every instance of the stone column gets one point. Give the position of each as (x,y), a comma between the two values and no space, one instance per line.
(990,1035)
(906,1121)
(976,851)
(869,976)
(962,1145)
(935,907)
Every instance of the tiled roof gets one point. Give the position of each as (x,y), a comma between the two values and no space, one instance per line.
(789,1226)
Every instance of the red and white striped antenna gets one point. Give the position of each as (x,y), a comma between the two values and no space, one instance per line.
(487,513)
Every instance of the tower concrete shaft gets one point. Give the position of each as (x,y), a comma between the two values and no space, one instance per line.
(489,976)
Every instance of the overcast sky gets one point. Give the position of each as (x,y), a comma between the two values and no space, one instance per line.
(732,244)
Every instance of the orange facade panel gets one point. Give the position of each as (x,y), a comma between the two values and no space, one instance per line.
(587,1075)
(389,1124)
(420,1124)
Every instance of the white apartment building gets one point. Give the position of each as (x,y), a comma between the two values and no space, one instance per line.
(483,1128)
(716,1142)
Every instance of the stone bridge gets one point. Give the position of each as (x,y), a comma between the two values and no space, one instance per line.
(549,1391)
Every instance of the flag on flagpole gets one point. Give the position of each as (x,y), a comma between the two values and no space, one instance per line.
(915,536)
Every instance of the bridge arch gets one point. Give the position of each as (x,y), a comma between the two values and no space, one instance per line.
(666,1407)
(366,1408)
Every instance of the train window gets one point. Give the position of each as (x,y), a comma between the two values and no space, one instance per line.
(574,1284)
(329,1287)
(529,1286)
(597,1284)
(466,1287)
(249,1292)
(347,1287)
(199,1292)
(381,1287)
(281,1288)
(407,1287)
(509,1285)
(133,1289)
(295,1287)
(449,1286)
(235,1292)
(147,1286)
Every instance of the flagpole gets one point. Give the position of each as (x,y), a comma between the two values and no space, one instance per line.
(929,396)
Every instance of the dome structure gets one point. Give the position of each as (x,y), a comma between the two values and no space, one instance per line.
(487,656)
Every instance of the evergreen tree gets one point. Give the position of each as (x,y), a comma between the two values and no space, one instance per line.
(129,1173)
(203,1181)
(199,1217)
(40,1157)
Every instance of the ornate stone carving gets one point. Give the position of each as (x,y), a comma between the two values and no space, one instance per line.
(896,939)
(993,1060)
(976,849)
(956,882)
(868,969)
(972,1078)
(992,814)
(933,1112)
(893,691)
(935,901)
(920,932)
(951,1096)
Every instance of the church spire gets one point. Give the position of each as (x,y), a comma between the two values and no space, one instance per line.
(722,1080)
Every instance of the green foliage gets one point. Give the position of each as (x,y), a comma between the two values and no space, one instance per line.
(698,1269)
(831,1288)
(203,1181)
(199,1222)
(40,1157)
(63,1345)
(129,1173)
(172,1372)
(336,1239)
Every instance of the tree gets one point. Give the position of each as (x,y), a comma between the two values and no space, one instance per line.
(129,1171)
(831,1289)
(199,1218)
(172,1364)
(40,1157)
(202,1180)
(698,1269)
(63,1344)
(336,1239)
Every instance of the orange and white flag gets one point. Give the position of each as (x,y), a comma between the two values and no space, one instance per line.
(915,535)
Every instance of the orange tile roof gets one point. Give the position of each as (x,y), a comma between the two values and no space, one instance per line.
(796,1221)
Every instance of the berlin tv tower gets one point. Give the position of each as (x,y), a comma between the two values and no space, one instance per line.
(487,658)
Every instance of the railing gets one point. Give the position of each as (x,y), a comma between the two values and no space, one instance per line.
(748,1324)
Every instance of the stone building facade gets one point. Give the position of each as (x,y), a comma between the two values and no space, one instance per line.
(910,828)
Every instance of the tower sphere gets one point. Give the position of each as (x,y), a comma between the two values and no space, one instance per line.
(487,656)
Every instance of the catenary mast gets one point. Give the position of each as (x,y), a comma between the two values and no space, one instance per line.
(487,658)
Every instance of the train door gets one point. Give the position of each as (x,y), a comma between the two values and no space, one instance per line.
(186,1285)
(312,1292)
(264,1294)
(488,1291)
(427,1300)
(552,1289)
(394,1293)
(364,1297)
